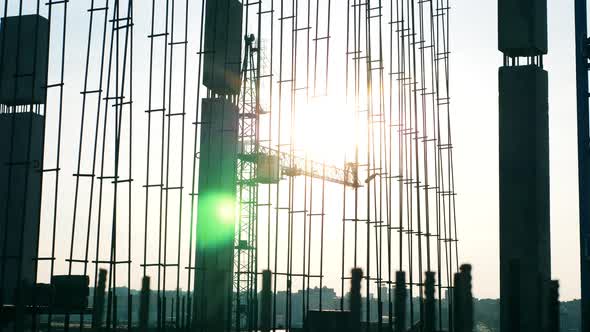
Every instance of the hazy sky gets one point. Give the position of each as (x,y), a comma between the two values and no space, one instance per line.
(475,61)
(474,67)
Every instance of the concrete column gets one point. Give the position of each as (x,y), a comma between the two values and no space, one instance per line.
(266,302)
(429,303)
(144,304)
(524,198)
(20,198)
(216,215)
(355,299)
(98,301)
(525,266)
(554,314)
(463,300)
(400,301)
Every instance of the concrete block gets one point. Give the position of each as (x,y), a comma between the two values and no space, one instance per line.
(522,27)
(328,321)
(71,291)
(223,46)
(23,74)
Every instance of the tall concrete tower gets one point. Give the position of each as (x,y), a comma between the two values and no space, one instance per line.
(525,256)
(23,79)
(217,201)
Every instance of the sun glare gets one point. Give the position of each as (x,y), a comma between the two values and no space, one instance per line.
(326,129)
(226,209)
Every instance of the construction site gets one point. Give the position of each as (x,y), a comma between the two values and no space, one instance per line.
(265,165)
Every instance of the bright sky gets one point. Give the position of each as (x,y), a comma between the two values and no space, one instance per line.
(474,76)
(474,63)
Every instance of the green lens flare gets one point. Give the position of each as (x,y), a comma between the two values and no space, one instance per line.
(225,210)
(217,215)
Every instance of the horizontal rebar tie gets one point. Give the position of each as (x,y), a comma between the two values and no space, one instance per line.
(73,260)
(90,92)
(111,262)
(49,86)
(172,188)
(122,181)
(97,9)
(159,265)
(107,177)
(50,170)
(83,175)
(43,258)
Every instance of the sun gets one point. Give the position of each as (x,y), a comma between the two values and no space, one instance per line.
(325,129)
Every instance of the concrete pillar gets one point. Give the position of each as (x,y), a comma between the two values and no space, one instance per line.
(524,197)
(355,299)
(400,301)
(216,215)
(20,199)
(429,304)
(554,314)
(144,304)
(266,301)
(463,300)
(525,266)
(98,300)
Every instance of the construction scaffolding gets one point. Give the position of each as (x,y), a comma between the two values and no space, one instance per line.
(122,78)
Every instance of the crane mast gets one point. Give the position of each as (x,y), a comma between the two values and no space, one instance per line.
(245,308)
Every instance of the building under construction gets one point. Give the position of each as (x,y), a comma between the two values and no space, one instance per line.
(218,165)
